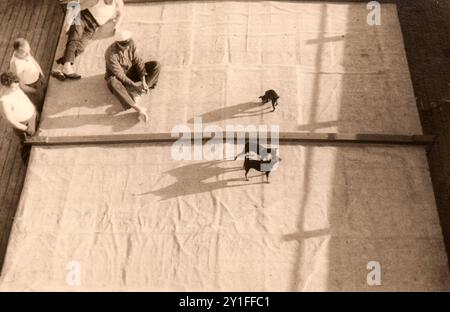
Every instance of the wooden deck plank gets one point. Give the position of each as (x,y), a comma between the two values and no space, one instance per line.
(14,189)
(41,47)
(26,23)
(6,172)
(11,181)
(3,5)
(4,27)
(21,23)
(4,140)
(47,58)
(3,11)
(34,26)
(8,143)
(10,30)
(17,167)
(40,15)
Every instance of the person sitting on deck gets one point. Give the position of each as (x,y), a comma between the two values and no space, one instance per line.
(31,78)
(81,27)
(16,107)
(127,75)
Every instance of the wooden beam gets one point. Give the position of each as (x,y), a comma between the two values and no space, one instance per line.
(294,137)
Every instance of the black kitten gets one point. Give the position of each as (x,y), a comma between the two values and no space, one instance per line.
(270,95)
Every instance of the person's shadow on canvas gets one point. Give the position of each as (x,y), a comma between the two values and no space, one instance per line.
(92,95)
(87,94)
(105,31)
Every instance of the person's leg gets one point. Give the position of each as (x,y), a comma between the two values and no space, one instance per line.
(73,43)
(75,34)
(125,98)
(121,93)
(20,134)
(80,46)
(33,124)
(37,96)
(25,152)
(25,149)
(86,38)
(79,37)
(33,96)
(40,94)
(134,75)
(153,69)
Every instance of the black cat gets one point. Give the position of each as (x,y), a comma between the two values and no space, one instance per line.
(270,95)
(265,166)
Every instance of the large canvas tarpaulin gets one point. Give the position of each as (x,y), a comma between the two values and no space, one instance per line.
(136,220)
(333,71)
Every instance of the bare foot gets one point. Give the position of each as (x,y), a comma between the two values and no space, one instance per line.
(143,115)
(112,110)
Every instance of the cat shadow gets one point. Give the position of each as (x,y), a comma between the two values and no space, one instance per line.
(247,109)
(193,179)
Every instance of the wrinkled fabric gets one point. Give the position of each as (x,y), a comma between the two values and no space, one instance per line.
(134,219)
(332,71)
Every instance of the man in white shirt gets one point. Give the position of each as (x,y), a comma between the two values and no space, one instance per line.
(81,23)
(31,78)
(16,107)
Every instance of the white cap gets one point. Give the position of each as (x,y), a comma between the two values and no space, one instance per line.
(123,35)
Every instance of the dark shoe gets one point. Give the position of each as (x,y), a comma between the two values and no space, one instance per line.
(73,76)
(58,75)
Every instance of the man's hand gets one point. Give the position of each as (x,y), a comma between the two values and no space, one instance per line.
(139,88)
(145,86)
(30,132)
(21,126)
